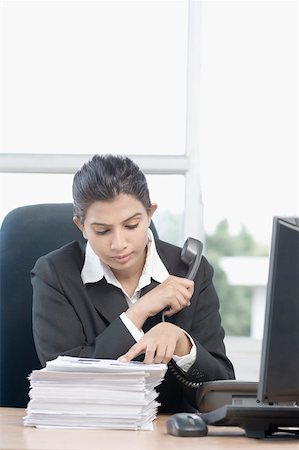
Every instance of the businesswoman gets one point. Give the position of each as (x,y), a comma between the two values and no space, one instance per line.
(107,299)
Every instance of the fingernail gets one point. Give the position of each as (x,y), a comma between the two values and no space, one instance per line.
(122,359)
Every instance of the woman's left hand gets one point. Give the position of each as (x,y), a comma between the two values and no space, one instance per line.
(159,344)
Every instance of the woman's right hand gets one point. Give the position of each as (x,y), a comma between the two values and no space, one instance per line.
(172,295)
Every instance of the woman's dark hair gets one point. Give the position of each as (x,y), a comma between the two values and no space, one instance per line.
(103,178)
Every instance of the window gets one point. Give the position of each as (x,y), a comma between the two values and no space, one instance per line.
(87,77)
(203,95)
(248,154)
(100,76)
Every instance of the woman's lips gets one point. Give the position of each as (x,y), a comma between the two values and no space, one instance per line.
(122,258)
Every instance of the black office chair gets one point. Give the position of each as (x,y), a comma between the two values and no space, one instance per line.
(26,234)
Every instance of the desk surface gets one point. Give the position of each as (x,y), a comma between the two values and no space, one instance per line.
(14,436)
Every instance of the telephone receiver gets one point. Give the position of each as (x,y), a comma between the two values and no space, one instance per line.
(191,255)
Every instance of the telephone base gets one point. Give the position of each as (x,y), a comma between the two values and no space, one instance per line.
(212,395)
(235,403)
(260,422)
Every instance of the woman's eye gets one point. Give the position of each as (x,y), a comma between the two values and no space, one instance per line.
(101,232)
(131,227)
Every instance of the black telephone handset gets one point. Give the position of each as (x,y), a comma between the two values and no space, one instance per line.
(191,255)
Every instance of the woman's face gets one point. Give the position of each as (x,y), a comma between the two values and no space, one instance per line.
(117,231)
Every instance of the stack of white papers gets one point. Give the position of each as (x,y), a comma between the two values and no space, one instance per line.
(94,393)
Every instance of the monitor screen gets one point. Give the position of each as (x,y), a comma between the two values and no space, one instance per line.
(279,371)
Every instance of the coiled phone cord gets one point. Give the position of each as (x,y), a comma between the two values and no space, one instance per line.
(174,370)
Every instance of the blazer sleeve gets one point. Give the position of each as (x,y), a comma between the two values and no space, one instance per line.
(203,322)
(211,362)
(64,321)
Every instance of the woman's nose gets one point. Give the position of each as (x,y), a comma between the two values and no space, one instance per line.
(118,241)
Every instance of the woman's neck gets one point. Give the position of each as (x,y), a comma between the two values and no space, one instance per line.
(129,279)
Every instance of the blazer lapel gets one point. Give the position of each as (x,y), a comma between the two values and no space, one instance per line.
(149,287)
(108,300)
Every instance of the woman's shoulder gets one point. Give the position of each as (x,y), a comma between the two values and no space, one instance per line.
(170,255)
(167,247)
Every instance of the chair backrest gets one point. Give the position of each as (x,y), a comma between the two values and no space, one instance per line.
(26,234)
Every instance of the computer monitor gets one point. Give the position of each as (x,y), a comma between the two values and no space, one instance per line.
(279,370)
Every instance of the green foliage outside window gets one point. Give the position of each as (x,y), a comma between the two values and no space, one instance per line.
(235,301)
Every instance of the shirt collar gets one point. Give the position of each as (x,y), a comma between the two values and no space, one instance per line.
(94,269)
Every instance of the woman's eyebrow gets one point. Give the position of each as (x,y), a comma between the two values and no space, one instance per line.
(109,225)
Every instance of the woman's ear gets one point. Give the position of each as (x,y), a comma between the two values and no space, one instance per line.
(80,225)
(154,207)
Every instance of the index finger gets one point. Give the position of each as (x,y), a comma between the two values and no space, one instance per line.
(134,351)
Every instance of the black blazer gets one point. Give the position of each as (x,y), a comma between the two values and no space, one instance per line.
(70,318)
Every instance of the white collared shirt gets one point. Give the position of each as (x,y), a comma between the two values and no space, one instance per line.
(94,270)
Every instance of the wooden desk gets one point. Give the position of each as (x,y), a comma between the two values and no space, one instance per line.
(14,436)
